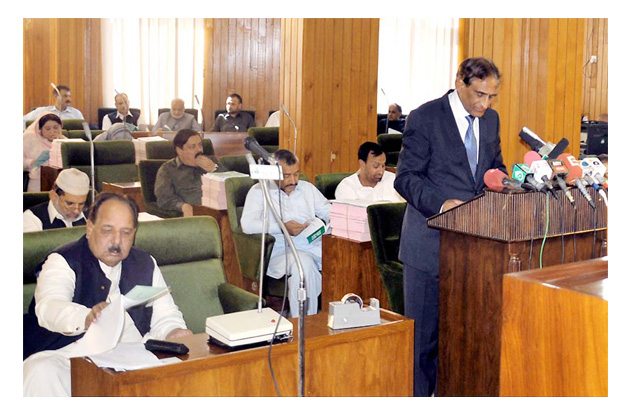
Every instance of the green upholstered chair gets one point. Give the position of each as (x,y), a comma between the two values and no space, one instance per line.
(162,150)
(104,111)
(391,144)
(114,160)
(81,134)
(385,220)
(34,198)
(147,175)
(327,183)
(188,252)
(267,137)
(235,163)
(248,246)
(70,124)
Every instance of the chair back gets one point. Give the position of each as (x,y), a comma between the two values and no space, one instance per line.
(103,111)
(191,111)
(327,183)
(385,222)
(235,163)
(391,144)
(33,199)
(82,134)
(148,169)
(162,150)
(114,160)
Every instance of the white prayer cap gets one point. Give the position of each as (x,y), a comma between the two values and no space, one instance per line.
(73,181)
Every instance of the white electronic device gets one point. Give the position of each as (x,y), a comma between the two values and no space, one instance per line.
(248,327)
(350,312)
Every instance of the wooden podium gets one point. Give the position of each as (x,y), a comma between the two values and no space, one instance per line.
(554,339)
(484,238)
(366,361)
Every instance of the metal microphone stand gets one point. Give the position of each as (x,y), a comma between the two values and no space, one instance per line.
(301,292)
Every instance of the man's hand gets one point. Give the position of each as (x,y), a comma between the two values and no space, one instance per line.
(177,333)
(187,210)
(451,203)
(295,228)
(95,312)
(205,163)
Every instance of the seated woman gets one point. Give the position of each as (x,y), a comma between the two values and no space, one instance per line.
(38,139)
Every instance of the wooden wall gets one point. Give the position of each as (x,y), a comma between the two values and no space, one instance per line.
(541,62)
(242,56)
(329,86)
(65,52)
(595,86)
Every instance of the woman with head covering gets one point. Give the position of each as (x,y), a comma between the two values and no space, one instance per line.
(38,139)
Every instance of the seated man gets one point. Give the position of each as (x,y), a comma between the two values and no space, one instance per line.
(123,113)
(300,203)
(395,121)
(372,182)
(234,120)
(61,107)
(65,207)
(77,281)
(176,119)
(178,183)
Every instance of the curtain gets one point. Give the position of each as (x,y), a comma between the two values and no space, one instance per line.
(417,61)
(153,61)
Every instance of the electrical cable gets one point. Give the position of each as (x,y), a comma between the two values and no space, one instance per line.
(542,247)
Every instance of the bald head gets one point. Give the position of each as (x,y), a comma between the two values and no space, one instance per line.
(177,108)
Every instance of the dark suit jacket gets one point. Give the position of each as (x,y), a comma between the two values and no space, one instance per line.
(432,168)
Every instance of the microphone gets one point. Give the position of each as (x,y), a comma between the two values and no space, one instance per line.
(595,170)
(58,94)
(387,105)
(201,110)
(541,169)
(252,145)
(294,127)
(85,127)
(545,149)
(497,180)
(560,171)
(575,174)
(523,173)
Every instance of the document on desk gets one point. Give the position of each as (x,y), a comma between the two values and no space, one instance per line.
(128,356)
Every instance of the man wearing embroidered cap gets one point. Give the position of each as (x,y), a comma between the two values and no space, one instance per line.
(66,205)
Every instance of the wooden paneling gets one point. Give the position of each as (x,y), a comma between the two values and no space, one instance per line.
(541,62)
(595,86)
(329,84)
(65,52)
(242,56)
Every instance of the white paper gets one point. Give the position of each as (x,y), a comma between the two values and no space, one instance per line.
(141,294)
(103,334)
(126,356)
(315,229)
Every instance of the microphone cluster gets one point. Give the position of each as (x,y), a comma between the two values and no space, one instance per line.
(546,168)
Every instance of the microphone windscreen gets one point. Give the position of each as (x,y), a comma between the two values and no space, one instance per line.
(559,148)
(530,157)
(575,170)
(493,179)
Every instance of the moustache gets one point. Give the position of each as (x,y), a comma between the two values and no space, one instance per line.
(115,249)
(199,154)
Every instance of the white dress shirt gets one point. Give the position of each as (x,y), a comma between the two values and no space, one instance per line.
(70,113)
(460,115)
(350,188)
(32,223)
(106,121)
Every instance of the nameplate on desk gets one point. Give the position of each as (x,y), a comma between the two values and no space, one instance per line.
(265,172)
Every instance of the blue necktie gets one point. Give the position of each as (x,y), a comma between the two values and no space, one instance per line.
(470,143)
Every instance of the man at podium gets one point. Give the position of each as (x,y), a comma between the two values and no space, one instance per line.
(448,145)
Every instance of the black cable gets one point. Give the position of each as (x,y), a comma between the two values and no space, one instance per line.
(594,234)
(574,233)
(562,227)
(532,225)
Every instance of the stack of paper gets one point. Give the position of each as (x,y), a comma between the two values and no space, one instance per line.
(348,219)
(140,144)
(56,160)
(214,189)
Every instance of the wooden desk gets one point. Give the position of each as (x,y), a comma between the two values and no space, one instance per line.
(227,143)
(48,177)
(131,189)
(369,361)
(230,259)
(349,267)
(554,339)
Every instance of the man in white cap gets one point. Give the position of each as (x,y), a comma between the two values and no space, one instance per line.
(66,205)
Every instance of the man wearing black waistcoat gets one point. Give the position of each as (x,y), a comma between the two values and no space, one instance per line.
(123,113)
(66,204)
(448,145)
(77,281)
